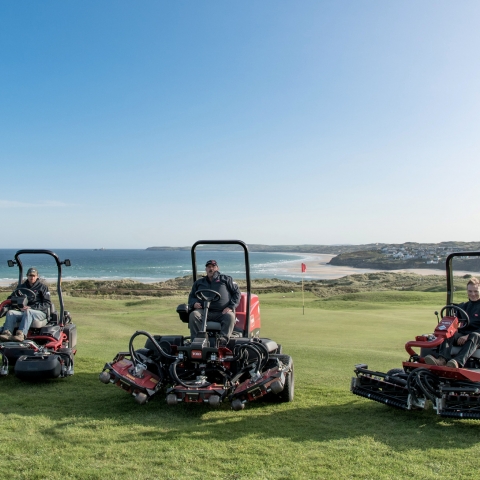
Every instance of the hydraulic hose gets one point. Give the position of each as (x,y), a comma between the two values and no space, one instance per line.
(173,373)
(157,346)
(262,359)
(425,381)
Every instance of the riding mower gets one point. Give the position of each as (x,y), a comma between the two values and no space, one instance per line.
(453,392)
(48,349)
(204,369)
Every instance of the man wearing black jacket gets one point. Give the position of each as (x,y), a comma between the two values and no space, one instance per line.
(36,309)
(468,338)
(222,310)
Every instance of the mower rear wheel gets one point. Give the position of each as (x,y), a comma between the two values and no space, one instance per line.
(286,395)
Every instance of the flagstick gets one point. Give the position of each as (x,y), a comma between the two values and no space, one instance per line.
(303,296)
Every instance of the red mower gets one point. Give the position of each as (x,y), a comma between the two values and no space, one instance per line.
(49,347)
(453,392)
(203,369)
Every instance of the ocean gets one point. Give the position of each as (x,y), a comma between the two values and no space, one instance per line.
(148,265)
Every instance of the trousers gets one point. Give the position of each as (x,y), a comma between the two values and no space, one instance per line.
(23,319)
(226,320)
(466,350)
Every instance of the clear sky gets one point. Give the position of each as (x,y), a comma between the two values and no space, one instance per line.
(130,124)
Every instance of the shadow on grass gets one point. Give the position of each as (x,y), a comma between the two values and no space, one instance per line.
(316,415)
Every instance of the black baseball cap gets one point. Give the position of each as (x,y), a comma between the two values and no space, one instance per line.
(211,262)
(32,271)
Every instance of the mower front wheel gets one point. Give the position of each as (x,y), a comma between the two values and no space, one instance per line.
(286,395)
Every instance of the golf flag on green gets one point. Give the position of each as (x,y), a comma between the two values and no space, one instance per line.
(304,269)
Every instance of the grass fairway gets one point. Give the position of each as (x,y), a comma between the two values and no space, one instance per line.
(80,428)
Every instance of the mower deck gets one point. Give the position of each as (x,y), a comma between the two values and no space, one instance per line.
(453,392)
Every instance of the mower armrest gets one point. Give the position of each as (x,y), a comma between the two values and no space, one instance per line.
(183,311)
(4,307)
(422,343)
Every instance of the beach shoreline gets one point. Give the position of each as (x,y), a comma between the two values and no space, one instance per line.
(317,268)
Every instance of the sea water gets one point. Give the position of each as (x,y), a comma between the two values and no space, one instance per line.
(147,265)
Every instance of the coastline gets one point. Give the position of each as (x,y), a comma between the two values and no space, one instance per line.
(316,263)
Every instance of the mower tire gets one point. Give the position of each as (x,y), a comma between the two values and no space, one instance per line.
(286,395)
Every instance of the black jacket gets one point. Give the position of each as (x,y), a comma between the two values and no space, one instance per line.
(224,285)
(473,310)
(42,300)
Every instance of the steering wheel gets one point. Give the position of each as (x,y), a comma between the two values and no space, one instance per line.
(26,292)
(466,320)
(200,294)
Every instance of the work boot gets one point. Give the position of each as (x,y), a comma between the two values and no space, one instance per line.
(431,360)
(5,336)
(223,342)
(19,337)
(452,363)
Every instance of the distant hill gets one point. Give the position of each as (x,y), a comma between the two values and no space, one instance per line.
(253,247)
(410,255)
(333,249)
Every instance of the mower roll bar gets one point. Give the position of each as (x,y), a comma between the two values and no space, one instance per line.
(450,271)
(59,263)
(247,269)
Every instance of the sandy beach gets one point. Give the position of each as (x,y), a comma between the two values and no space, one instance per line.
(317,268)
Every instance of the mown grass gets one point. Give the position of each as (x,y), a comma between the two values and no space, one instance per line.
(80,428)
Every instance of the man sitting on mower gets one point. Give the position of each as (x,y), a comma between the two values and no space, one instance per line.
(468,337)
(37,305)
(222,310)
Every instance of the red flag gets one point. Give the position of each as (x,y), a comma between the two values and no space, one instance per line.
(304,268)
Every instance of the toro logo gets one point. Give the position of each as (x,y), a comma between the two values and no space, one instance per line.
(196,354)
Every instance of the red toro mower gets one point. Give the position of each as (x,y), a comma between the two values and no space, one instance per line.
(48,349)
(453,392)
(205,369)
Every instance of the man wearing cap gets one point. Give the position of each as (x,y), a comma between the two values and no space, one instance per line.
(223,310)
(36,309)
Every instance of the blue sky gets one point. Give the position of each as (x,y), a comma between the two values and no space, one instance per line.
(130,124)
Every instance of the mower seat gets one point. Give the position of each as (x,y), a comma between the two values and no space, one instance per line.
(214,326)
(36,323)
